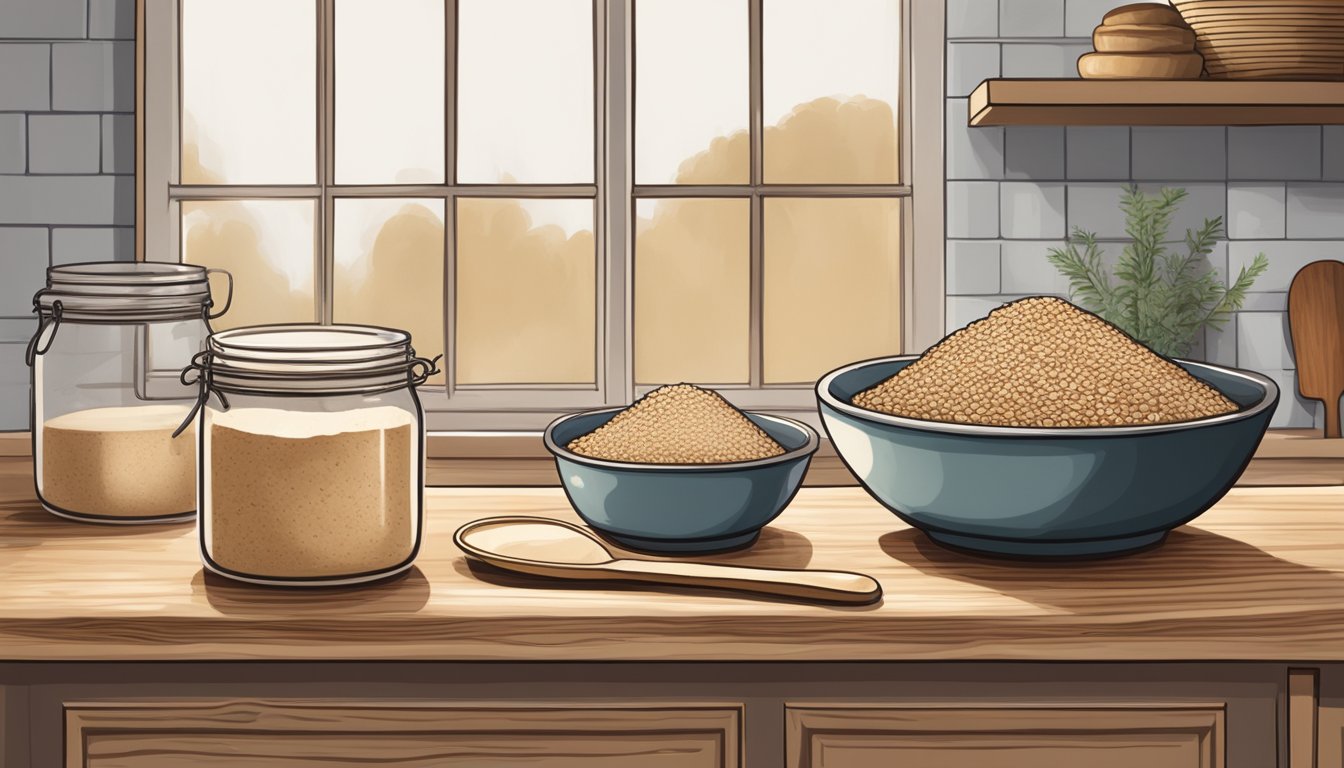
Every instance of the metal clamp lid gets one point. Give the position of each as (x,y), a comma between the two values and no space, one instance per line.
(122,293)
(305,360)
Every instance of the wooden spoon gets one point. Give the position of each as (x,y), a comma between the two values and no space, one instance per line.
(559,550)
(1316,323)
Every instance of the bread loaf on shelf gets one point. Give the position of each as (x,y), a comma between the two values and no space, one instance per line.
(1142,41)
(1142,38)
(1139,66)
(1143,13)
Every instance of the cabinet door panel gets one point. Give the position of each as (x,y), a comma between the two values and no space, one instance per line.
(1329,739)
(1166,736)
(269,734)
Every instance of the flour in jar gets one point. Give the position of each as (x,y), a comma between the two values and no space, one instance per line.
(293,494)
(120,462)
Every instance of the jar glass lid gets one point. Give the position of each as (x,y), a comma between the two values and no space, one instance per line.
(309,358)
(128,291)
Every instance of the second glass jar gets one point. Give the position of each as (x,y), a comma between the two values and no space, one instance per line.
(311,452)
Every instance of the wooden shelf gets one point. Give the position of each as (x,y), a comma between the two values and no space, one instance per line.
(1072,101)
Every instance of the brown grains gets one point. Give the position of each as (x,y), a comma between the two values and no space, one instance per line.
(678,424)
(1042,362)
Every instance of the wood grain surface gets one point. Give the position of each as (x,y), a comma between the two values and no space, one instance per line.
(1024,736)
(1316,324)
(1260,576)
(1073,101)
(1303,703)
(292,734)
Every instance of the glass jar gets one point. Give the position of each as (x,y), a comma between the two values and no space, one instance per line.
(311,449)
(107,398)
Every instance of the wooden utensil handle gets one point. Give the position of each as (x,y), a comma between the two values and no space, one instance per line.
(830,586)
(1331,417)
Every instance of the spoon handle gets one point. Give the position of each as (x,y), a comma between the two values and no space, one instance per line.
(826,586)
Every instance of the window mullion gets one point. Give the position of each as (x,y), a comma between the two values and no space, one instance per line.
(756,274)
(326,107)
(615,67)
(449,362)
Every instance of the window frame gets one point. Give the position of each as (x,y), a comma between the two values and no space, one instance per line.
(528,407)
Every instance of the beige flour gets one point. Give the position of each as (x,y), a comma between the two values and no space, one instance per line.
(120,462)
(296,495)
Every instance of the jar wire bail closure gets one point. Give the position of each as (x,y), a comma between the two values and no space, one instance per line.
(283,371)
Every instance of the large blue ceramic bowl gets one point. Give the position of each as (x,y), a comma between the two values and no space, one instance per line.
(1045,492)
(680,508)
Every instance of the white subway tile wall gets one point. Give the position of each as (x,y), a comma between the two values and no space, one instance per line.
(1184,153)
(1043,59)
(968,64)
(67,155)
(1037,152)
(972,267)
(1031,210)
(1031,18)
(1274,152)
(1014,193)
(1097,152)
(64,143)
(972,18)
(1314,211)
(1027,270)
(972,153)
(972,209)
(13,143)
(1332,152)
(1255,211)
(1082,16)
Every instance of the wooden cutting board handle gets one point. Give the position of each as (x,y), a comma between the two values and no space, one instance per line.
(1316,323)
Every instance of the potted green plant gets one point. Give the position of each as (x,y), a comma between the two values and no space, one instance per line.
(1161,297)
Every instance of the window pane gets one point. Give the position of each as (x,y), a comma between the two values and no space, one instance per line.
(832,289)
(692,291)
(267,245)
(831,91)
(692,107)
(526,292)
(249,92)
(525,91)
(389,91)
(389,267)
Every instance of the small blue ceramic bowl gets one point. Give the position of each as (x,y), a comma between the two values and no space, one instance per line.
(1045,492)
(680,508)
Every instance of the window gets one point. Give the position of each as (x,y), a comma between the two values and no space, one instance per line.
(573,200)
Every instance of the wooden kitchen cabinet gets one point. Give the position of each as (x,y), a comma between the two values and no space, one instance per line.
(298,734)
(1327,725)
(1005,736)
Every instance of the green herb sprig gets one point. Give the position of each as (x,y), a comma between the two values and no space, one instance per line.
(1159,296)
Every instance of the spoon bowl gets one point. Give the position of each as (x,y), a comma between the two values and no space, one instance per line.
(559,550)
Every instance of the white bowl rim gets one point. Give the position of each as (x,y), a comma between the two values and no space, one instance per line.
(1271,392)
(806,449)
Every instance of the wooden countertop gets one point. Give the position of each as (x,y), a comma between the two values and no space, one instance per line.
(1259,577)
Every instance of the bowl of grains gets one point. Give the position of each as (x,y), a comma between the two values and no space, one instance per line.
(680,471)
(1044,431)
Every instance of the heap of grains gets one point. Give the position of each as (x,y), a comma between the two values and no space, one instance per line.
(1042,362)
(678,424)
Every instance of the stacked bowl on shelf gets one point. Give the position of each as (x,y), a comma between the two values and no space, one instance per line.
(1268,40)
(1142,41)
